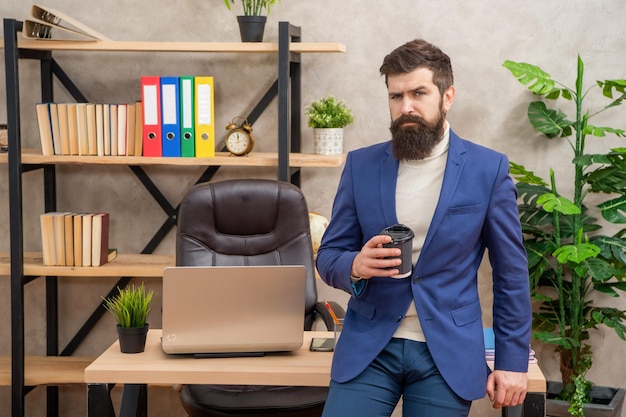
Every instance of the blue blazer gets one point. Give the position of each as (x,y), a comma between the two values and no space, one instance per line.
(477,210)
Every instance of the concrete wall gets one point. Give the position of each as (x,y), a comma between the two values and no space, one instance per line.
(489,108)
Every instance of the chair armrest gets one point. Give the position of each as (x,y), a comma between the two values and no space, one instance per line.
(322,312)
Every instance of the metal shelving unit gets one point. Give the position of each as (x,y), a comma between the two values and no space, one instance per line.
(288,162)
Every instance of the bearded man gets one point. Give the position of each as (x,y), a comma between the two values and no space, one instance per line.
(421,337)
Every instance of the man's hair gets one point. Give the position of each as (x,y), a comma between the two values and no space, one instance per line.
(419,54)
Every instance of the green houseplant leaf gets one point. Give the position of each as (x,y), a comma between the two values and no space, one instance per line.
(537,80)
(551,123)
(551,202)
(613,210)
(575,253)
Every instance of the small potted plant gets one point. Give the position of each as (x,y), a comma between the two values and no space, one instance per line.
(131,307)
(328,116)
(252,23)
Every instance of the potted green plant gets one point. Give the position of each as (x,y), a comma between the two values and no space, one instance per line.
(131,307)
(252,22)
(569,257)
(328,116)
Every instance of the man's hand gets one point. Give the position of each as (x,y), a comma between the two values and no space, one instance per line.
(370,261)
(507,389)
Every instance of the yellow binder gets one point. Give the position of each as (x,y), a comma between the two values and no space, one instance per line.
(204,117)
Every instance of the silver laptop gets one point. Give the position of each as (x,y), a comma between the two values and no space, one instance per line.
(233,310)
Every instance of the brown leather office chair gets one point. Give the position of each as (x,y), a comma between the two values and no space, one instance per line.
(250,222)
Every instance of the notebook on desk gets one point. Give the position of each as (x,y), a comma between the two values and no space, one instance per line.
(233,310)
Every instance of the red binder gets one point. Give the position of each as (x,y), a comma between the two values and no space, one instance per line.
(151,99)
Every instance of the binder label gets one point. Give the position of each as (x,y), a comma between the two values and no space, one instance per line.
(169,104)
(204,104)
(151,113)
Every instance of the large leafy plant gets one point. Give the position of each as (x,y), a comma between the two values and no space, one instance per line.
(254,7)
(569,257)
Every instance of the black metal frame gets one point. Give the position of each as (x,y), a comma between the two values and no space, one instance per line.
(287,88)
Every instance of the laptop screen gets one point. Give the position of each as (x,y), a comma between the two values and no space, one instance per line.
(230,309)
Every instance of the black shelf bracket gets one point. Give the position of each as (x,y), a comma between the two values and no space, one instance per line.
(16,234)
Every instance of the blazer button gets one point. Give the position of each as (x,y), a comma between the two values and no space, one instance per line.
(399,318)
(416,280)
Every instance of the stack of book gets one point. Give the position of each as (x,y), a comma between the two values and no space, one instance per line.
(75,239)
(490,347)
(89,129)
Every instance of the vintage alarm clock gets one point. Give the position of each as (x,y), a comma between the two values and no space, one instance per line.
(239,139)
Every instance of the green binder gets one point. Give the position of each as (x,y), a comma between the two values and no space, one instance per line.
(187,139)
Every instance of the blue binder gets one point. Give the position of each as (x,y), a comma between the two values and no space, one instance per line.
(170,116)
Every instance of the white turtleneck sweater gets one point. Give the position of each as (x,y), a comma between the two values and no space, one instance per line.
(417,193)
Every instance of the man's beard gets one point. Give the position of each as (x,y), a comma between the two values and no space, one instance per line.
(415,141)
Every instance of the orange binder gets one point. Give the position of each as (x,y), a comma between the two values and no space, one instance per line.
(151,99)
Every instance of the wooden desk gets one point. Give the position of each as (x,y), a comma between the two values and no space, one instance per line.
(302,367)
(153,367)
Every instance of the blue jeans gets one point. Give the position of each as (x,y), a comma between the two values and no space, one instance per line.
(404,368)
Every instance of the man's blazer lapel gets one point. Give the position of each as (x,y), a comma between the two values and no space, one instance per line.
(454,168)
(387,187)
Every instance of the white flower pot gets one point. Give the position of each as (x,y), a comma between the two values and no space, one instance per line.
(328,141)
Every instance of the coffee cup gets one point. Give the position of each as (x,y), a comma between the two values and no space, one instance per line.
(402,238)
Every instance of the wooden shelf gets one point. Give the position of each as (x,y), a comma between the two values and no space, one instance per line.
(47,370)
(258,159)
(124,265)
(141,46)
(133,265)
